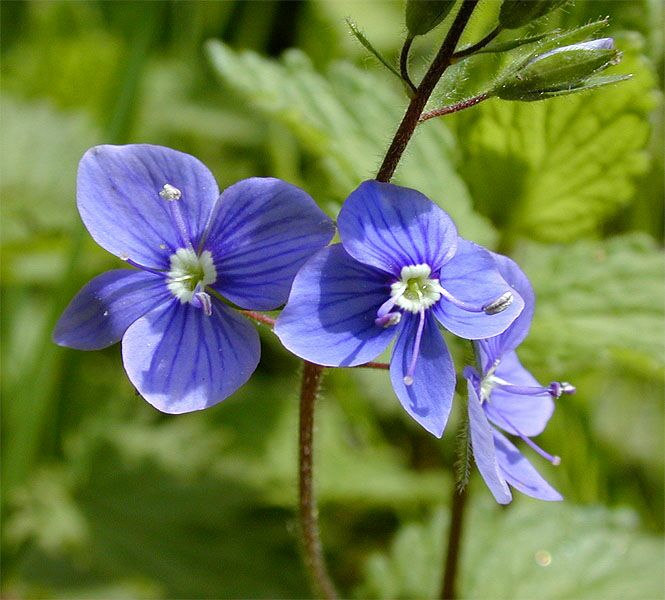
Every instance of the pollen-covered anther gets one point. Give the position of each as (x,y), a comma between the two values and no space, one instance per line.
(170,192)
(499,305)
(388,320)
(415,290)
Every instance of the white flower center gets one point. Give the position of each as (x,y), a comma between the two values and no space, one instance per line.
(190,273)
(415,290)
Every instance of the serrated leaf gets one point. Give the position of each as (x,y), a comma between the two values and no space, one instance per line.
(533,550)
(556,170)
(344,120)
(594,301)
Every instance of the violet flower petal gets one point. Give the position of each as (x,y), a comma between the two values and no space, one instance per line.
(390,227)
(329,318)
(484,452)
(106,306)
(118,198)
(429,398)
(181,360)
(471,276)
(519,472)
(529,414)
(261,232)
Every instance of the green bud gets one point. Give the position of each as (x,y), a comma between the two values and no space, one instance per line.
(424,15)
(559,70)
(517,13)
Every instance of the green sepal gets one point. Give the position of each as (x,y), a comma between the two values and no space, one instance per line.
(517,13)
(563,69)
(360,36)
(495,48)
(424,15)
(588,84)
(573,36)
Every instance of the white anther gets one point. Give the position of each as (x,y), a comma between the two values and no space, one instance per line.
(170,192)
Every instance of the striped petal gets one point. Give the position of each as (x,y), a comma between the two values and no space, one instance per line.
(181,360)
(329,318)
(261,232)
(104,308)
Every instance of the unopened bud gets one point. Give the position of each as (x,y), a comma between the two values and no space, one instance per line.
(564,69)
(517,13)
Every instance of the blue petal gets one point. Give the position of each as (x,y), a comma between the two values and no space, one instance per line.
(429,399)
(512,337)
(390,227)
(118,198)
(472,277)
(262,230)
(484,452)
(104,308)
(529,414)
(181,360)
(329,318)
(519,472)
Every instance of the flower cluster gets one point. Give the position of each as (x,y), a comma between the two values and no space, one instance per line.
(399,272)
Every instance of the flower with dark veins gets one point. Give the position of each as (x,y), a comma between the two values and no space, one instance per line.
(160,211)
(504,395)
(401,269)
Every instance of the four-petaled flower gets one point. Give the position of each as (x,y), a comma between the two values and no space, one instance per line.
(399,270)
(160,210)
(508,397)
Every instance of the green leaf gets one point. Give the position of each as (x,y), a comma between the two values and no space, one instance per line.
(424,15)
(596,301)
(556,170)
(532,550)
(342,120)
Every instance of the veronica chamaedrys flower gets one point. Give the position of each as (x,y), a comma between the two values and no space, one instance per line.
(399,270)
(160,211)
(506,396)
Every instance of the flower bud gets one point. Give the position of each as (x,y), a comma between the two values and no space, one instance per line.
(568,68)
(516,13)
(424,15)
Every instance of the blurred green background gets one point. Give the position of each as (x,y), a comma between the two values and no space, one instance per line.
(103,497)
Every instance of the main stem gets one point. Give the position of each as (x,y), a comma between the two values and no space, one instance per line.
(312,373)
(458,503)
(316,565)
(417,105)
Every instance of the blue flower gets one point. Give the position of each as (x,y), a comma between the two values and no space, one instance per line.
(508,397)
(399,270)
(160,211)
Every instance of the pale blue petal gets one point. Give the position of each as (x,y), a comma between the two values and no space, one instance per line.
(519,472)
(118,198)
(528,414)
(261,232)
(471,276)
(390,227)
(181,360)
(484,453)
(429,399)
(329,318)
(105,307)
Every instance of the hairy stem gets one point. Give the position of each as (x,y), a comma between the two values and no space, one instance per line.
(453,108)
(259,317)
(458,502)
(410,120)
(311,381)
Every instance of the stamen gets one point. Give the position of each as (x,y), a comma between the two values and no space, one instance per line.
(202,300)
(385,317)
(494,307)
(522,390)
(129,261)
(172,194)
(408,378)
(556,388)
(555,460)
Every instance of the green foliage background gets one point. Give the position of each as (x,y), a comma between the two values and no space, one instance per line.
(103,497)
